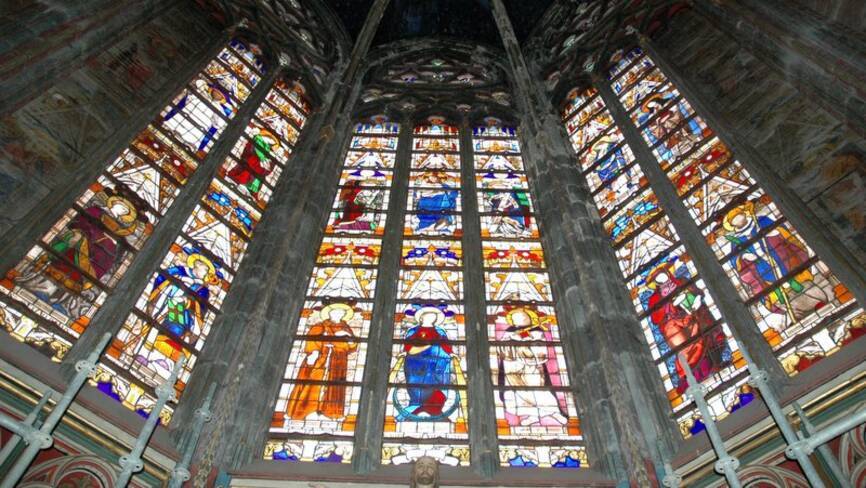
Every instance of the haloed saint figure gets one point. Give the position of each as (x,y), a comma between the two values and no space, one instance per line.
(325,358)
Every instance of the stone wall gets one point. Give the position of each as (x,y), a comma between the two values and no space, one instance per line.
(816,155)
(848,12)
(46,142)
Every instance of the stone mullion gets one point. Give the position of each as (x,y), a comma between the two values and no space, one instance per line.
(367,454)
(737,315)
(801,49)
(838,258)
(28,230)
(36,72)
(483,446)
(113,312)
(624,411)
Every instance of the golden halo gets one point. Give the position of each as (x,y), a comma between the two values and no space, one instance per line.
(195,257)
(131,214)
(533,317)
(270,135)
(645,105)
(747,208)
(440,316)
(325,313)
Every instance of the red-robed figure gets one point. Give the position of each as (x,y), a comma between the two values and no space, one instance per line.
(681,316)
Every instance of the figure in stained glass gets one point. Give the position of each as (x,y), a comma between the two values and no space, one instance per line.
(766,253)
(681,318)
(324,360)
(354,201)
(514,205)
(428,364)
(433,203)
(88,247)
(179,298)
(255,163)
(664,120)
(530,372)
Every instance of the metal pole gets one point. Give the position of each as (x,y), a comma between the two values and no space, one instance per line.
(181,473)
(672,479)
(28,421)
(823,450)
(759,380)
(825,435)
(132,462)
(41,438)
(726,464)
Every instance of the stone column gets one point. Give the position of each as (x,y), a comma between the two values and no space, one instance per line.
(261,344)
(624,412)
(483,447)
(117,306)
(16,244)
(371,409)
(736,313)
(826,62)
(43,43)
(840,260)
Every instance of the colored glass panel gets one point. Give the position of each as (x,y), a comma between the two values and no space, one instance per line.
(427,399)
(801,308)
(322,381)
(676,313)
(177,308)
(535,410)
(68,274)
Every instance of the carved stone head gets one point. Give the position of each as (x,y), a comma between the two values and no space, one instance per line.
(425,473)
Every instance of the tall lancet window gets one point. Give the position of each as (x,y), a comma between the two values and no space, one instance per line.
(536,418)
(317,404)
(426,405)
(184,295)
(676,313)
(49,298)
(803,311)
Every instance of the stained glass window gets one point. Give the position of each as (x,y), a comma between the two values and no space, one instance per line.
(49,298)
(317,403)
(801,308)
(536,418)
(177,308)
(426,409)
(676,313)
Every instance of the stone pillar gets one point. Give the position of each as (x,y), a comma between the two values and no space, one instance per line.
(371,409)
(44,42)
(840,260)
(624,412)
(117,306)
(736,313)
(826,62)
(483,447)
(16,244)
(245,402)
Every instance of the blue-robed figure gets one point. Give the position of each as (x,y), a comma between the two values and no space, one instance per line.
(427,361)
(433,204)
(170,301)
